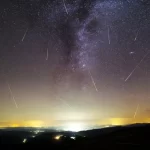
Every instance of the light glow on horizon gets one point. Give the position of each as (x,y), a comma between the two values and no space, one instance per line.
(74,127)
(67,125)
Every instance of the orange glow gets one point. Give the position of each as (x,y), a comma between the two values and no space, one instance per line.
(15,125)
(116,121)
(34,123)
(72,125)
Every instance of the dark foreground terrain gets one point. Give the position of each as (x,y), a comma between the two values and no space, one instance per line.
(120,137)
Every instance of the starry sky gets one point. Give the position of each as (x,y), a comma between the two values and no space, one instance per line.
(74,60)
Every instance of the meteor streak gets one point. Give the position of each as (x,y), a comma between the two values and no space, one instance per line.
(13,98)
(92,79)
(136,67)
(136,110)
(108,35)
(24,35)
(65,7)
(47,55)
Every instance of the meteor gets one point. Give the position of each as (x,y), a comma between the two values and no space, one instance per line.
(13,98)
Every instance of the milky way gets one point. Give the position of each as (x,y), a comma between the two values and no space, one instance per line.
(68,57)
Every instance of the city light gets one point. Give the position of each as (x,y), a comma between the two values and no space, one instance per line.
(57,137)
(24,140)
(72,137)
(74,127)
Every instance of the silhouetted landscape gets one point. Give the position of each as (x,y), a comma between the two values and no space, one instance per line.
(130,136)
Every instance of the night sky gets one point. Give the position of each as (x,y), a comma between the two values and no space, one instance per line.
(74,61)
